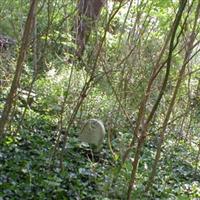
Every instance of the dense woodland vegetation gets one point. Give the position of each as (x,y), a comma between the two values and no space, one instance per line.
(134,65)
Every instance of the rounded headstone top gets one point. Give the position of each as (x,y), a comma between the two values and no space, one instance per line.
(93,132)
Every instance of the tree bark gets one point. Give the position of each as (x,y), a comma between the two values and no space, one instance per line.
(178,84)
(19,67)
(143,132)
(88,13)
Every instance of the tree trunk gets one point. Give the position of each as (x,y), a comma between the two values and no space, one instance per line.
(88,14)
(178,84)
(24,47)
(143,133)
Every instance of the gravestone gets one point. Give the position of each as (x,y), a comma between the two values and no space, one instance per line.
(93,132)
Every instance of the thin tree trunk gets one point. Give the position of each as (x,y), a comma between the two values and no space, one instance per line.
(143,132)
(169,111)
(22,54)
(146,96)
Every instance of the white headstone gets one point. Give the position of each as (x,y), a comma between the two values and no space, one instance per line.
(93,132)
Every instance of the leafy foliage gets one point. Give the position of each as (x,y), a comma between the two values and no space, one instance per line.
(41,156)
